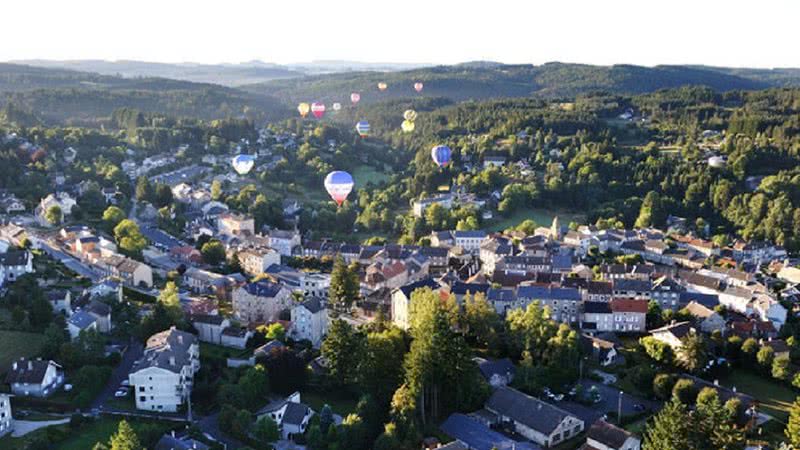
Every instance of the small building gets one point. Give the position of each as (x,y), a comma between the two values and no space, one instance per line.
(6,419)
(61,301)
(290,414)
(673,334)
(706,318)
(498,372)
(34,378)
(80,322)
(209,327)
(605,436)
(310,321)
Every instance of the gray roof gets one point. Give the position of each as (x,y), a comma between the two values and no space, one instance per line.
(168,442)
(610,435)
(625,284)
(98,308)
(28,371)
(82,320)
(679,330)
(263,288)
(14,258)
(208,319)
(529,411)
(163,347)
(314,305)
(295,413)
(501,367)
(478,436)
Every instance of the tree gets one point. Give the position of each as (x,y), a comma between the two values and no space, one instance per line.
(144,190)
(344,287)
(692,354)
(380,371)
(342,349)
(170,296)
(793,427)
(125,438)
(656,349)
(764,358)
(129,237)
(266,430)
(685,391)
(287,372)
(480,318)
(325,418)
(216,190)
(780,368)
(651,212)
(254,385)
(662,385)
(53,215)
(213,252)
(669,429)
(714,428)
(750,348)
(112,216)
(275,331)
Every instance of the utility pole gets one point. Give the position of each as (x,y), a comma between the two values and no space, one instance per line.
(619,410)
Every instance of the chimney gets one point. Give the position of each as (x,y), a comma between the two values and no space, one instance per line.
(180,339)
(173,433)
(716,382)
(15,365)
(172,360)
(30,365)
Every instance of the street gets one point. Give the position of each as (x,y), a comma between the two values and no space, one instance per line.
(134,352)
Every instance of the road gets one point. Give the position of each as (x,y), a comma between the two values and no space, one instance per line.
(71,263)
(609,403)
(210,426)
(134,352)
(23,427)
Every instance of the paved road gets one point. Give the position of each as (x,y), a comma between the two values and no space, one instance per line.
(23,427)
(71,263)
(609,403)
(210,426)
(134,352)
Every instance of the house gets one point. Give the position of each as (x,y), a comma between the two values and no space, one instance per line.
(603,351)
(6,419)
(538,421)
(629,315)
(235,224)
(769,309)
(101,312)
(186,254)
(419,206)
(172,442)
(266,350)
(632,288)
(34,378)
(310,321)
(255,261)
(401,300)
(667,292)
(235,337)
(471,434)
(737,299)
(162,378)
(498,372)
(61,199)
(290,414)
(209,327)
(81,321)
(14,264)
(494,161)
(597,317)
(284,242)
(61,301)
(564,303)
(129,271)
(673,334)
(201,281)
(260,302)
(10,204)
(706,318)
(605,436)
(469,240)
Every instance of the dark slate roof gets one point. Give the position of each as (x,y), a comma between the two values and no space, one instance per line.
(496,367)
(596,308)
(98,308)
(707,300)
(27,372)
(610,435)
(501,295)
(14,258)
(469,234)
(529,411)
(263,288)
(427,282)
(679,330)
(562,262)
(625,284)
(294,414)
(699,280)
(208,318)
(478,436)
(548,293)
(434,252)
(168,442)
(314,304)
(267,348)
(600,288)
(460,288)
(82,320)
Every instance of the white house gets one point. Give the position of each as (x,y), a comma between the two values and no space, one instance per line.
(6,420)
(284,242)
(61,301)
(255,261)
(14,264)
(34,378)
(162,378)
(79,322)
(209,327)
(291,416)
(604,436)
(260,302)
(310,321)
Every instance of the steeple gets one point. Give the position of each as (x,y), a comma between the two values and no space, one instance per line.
(555,229)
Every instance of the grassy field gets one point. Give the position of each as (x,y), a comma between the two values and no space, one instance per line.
(14,344)
(367,174)
(101,431)
(542,216)
(340,403)
(775,398)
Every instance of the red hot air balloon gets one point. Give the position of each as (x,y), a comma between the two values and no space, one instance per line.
(418,86)
(318,109)
(355,97)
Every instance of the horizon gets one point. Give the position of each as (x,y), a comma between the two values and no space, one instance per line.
(441,33)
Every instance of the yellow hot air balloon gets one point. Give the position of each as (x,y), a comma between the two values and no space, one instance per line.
(382,86)
(407,126)
(410,115)
(303,109)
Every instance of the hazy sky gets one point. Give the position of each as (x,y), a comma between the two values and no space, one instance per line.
(757,33)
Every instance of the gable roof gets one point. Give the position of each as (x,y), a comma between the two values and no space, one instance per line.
(501,367)
(28,371)
(408,289)
(295,413)
(529,411)
(607,434)
(263,288)
(629,305)
(478,436)
(548,293)
(313,305)
(82,320)
(679,330)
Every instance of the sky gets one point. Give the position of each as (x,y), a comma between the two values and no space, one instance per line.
(757,33)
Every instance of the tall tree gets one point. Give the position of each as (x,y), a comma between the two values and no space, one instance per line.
(344,288)
(793,427)
(669,429)
(125,438)
(342,348)
(129,237)
(692,355)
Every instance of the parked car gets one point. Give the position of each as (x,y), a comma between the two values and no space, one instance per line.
(121,393)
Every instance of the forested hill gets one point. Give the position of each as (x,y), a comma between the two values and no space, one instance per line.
(481,80)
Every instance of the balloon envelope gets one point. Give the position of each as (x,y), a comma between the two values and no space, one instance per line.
(410,115)
(242,164)
(318,109)
(382,86)
(339,184)
(303,109)
(337,106)
(362,128)
(418,86)
(407,126)
(355,97)
(441,155)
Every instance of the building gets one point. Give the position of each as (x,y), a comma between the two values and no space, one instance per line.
(706,318)
(80,322)
(61,301)
(61,199)
(255,261)
(673,334)
(538,421)
(469,240)
(498,372)
(401,301)
(605,436)
(444,200)
(209,327)
(564,303)
(129,271)
(310,321)
(603,351)
(597,317)
(260,302)
(285,242)
(172,442)
(667,293)
(14,264)
(6,419)
(471,434)
(235,224)
(34,378)
(162,378)
(629,315)
(290,414)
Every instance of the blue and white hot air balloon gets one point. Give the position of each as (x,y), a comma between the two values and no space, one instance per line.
(441,155)
(363,128)
(339,184)
(242,164)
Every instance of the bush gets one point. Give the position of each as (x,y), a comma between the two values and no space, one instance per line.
(685,391)
(662,386)
(76,421)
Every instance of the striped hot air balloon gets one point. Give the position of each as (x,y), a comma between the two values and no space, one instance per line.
(303,109)
(418,86)
(242,164)
(441,155)
(410,115)
(337,106)
(362,128)
(339,184)
(318,109)
(355,97)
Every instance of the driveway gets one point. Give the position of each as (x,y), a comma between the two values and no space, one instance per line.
(23,427)
(210,427)
(134,352)
(609,403)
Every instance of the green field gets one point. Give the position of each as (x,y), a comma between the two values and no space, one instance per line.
(340,402)
(774,398)
(367,174)
(101,431)
(542,216)
(14,344)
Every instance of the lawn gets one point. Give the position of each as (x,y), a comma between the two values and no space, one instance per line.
(542,216)
(341,403)
(14,344)
(367,174)
(775,398)
(101,431)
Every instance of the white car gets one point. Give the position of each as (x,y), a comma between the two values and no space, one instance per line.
(125,383)
(121,393)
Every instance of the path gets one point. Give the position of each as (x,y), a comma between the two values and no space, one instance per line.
(132,353)
(23,427)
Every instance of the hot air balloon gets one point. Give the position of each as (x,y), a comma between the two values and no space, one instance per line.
(418,86)
(410,115)
(318,109)
(339,184)
(407,126)
(382,86)
(441,155)
(337,106)
(242,164)
(363,128)
(355,97)
(303,109)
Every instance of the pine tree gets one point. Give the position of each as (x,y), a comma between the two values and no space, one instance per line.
(793,427)
(125,438)
(669,429)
